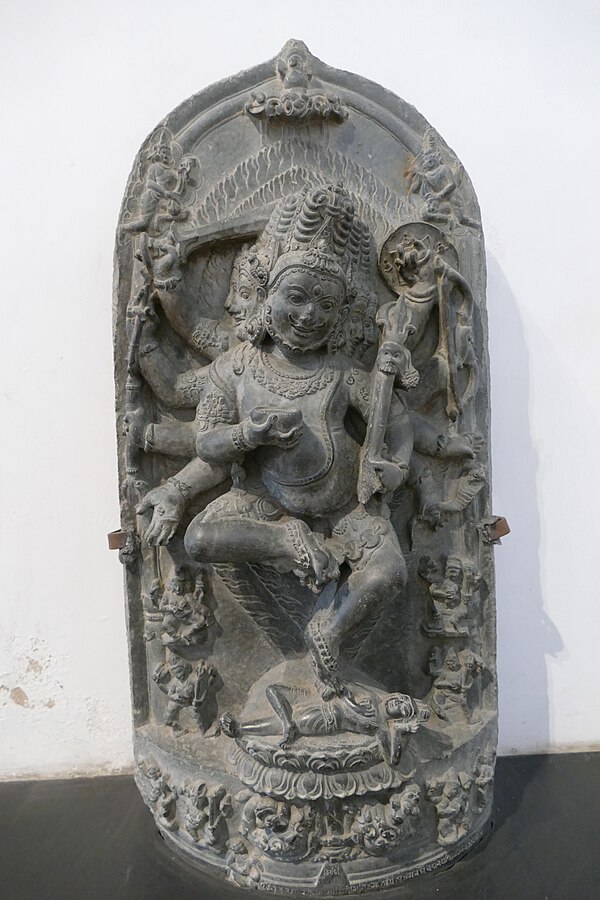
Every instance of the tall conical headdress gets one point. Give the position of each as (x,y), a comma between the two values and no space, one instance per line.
(311,229)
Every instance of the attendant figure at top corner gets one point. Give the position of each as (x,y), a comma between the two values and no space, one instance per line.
(430,178)
(165,183)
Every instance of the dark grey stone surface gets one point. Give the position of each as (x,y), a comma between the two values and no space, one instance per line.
(303,411)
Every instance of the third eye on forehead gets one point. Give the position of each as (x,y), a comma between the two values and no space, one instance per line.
(309,294)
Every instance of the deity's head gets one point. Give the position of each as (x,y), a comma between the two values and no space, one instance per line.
(161,151)
(392,358)
(431,160)
(305,301)
(453,568)
(399,706)
(308,238)
(378,835)
(179,667)
(451,661)
(355,324)
(177,584)
(247,288)
(411,796)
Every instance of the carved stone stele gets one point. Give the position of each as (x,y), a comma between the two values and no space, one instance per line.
(303,414)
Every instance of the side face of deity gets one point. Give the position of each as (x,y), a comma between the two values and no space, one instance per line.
(244,294)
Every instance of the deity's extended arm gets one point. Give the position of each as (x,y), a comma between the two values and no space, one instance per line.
(208,336)
(450,275)
(198,477)
(399,433)
(180,390)
(171,438)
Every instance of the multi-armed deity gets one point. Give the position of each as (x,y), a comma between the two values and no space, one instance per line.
(302,389)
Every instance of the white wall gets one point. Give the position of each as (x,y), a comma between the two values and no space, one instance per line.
(512,86)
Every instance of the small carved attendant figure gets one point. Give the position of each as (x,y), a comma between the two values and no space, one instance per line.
(165,185)
(484,779)
(450,797)
(379,827)
(185,617)
(336,838)
(219,809)
(166,261)
(373,832)
(196,816)
(406,809)
(282,830)
(206,814)
(161,795)
(435,182)
(454,675)
(295,102)
(243,867)
(184,687)
(449,608)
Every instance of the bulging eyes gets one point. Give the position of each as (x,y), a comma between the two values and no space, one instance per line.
(296,298)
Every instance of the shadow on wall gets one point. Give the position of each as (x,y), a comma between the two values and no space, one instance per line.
(525,633)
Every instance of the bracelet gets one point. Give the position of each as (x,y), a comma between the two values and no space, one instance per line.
(147,349)
(239,441)
(183,488)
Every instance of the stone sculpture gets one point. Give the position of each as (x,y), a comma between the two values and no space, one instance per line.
(302,398)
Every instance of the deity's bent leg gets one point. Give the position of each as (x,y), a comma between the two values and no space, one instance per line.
(377,575)
(233,529)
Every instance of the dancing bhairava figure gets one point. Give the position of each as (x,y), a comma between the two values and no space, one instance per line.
(276,408)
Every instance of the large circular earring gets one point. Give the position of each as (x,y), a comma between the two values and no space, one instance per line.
(256,325)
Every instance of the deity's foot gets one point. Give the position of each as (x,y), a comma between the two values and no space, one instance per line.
(313,563)
(456,446)
(229,725)
(290,734)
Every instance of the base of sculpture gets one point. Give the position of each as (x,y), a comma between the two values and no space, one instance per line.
(331,878)
(345,813)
